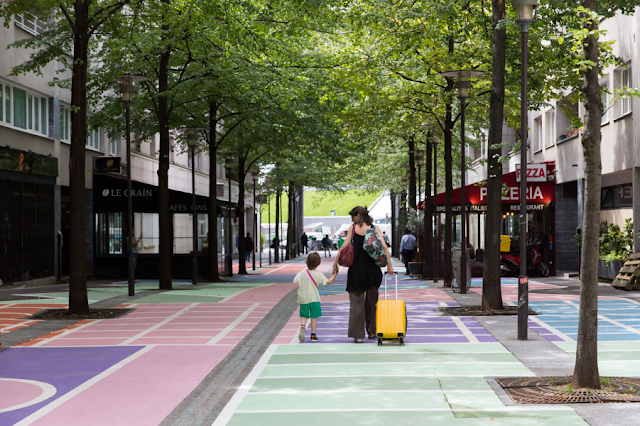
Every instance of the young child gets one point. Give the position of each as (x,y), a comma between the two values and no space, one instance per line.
(308,296)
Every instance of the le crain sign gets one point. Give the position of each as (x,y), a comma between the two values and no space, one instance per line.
(535,172)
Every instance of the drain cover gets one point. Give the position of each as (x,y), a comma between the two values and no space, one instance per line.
(553,390)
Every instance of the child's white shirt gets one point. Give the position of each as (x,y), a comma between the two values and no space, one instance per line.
(307,291)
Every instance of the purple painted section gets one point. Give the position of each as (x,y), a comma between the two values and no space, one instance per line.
(424,325)
(64,368)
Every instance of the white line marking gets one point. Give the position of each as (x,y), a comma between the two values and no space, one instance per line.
(47,392)
(66,397)
(340,376)
(394,352)
(427,410)
(277,269)
(64,333)
(157,325)
(552,329)
(333,391)
(231,407)
(395,363)
(467,333)
(231,326)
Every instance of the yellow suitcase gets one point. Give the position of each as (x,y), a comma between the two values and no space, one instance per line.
(391,317)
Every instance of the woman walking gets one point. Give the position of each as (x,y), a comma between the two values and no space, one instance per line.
(364,277)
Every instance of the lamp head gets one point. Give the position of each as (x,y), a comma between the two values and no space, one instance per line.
(228,161)
(254,175)
(128,88)
(524,10)
(462,81)
(420,158)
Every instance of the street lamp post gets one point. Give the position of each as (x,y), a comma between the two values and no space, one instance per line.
(463,85)
(127,89)
(436,246)
(228,163)
(419,162)
(268,179)
(192,141)
(254,177)
(524,17)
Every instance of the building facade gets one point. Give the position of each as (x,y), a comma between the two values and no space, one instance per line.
(35,132)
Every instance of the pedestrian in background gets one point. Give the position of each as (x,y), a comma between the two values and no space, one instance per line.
(308,296)
(304,240)
(326,245)
(407,244)
(248,247)
(135,242)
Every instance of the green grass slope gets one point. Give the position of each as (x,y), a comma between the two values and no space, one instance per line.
(320,203)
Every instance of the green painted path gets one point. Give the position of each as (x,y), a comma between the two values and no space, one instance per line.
(346,384)
(208,293)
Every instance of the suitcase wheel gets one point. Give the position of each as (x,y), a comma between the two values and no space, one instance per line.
(379,341)
(401,340)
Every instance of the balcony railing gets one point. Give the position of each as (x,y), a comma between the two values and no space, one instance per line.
(30,23)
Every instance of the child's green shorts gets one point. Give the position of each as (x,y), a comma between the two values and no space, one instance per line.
(310,310)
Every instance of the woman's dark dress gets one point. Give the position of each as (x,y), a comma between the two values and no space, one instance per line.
(364,273)
(363,280)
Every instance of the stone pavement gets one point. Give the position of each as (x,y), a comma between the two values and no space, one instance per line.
(228,354)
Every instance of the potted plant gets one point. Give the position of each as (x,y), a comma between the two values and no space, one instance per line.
(615,246)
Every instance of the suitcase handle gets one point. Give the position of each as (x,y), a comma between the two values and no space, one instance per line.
(385,284)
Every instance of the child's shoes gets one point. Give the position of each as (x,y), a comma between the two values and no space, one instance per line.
(314,338)
(302,333)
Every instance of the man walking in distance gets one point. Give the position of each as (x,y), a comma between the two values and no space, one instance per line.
(304,240)
(407,244)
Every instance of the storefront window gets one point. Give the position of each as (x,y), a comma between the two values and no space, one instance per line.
(147,225)
(109,233)
(183,233)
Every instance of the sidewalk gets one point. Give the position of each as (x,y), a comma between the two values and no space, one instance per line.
(228,354)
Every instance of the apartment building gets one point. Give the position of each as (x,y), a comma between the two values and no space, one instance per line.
(35,131)
(555,145)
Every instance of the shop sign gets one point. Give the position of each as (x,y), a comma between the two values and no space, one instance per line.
(125,193)
(512,193)
(535,172)
(187,207)
(106,164)
(530,207)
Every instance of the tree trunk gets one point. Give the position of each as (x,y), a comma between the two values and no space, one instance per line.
(276,245)
(427,247)
(585,374)
(242,270)
(163,171)
(78,300)
(491,289)
(214,274)
(412,175)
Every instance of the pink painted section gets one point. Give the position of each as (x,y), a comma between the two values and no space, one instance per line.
(16,393)
(271,293)
(83,342)
(142,392)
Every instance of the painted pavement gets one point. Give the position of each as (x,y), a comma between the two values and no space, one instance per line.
(144,364)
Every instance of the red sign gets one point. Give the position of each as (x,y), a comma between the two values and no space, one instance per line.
(535,172)
(537,192)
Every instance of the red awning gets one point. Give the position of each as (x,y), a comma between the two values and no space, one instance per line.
(537,192)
